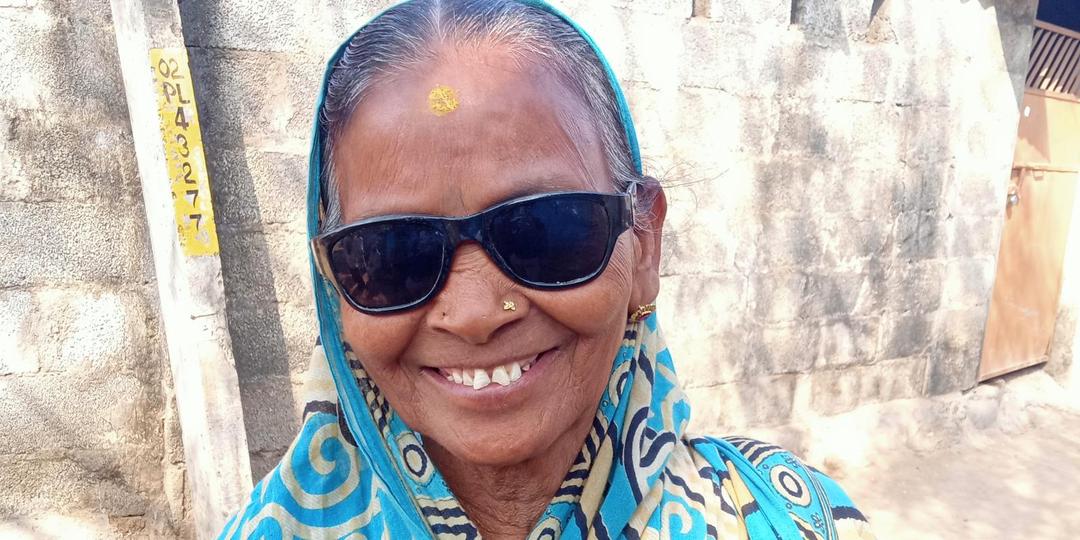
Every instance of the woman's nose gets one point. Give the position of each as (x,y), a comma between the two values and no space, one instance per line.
(477,299)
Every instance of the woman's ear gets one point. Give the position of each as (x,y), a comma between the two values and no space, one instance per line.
(650,211)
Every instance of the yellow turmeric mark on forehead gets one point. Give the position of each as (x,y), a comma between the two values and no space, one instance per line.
(443,100)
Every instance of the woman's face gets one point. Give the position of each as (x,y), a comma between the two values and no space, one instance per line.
(514,130)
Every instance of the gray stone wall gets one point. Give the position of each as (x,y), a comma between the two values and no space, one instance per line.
(834,238)
(87,439)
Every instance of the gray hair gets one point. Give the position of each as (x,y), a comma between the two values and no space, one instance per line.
(409,34)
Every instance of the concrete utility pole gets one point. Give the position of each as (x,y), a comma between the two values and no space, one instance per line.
(176,192)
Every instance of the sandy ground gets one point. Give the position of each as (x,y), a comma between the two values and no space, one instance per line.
(1010,481)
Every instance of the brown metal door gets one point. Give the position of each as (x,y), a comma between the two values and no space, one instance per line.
(1027,287)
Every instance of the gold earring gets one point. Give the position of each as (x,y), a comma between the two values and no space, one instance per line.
(509,305)
(642,312)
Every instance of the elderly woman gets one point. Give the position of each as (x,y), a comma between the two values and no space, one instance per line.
(487,252)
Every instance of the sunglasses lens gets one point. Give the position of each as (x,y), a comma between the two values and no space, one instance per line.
(553,241)
(385,265)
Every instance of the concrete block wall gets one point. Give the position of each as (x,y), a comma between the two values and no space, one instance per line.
(88,439)
(835,187)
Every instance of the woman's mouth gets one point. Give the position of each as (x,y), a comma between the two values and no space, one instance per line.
(479,378)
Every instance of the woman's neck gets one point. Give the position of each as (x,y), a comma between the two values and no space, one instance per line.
(507,501)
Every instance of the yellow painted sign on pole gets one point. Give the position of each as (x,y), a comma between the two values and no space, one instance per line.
(182,138)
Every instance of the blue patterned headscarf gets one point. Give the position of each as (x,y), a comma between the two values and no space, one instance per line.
(357,471)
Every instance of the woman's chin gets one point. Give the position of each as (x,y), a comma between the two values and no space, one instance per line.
(494,446)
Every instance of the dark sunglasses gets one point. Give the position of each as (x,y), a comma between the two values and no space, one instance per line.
(548,241)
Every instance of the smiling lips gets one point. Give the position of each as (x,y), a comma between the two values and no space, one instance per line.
(477,378)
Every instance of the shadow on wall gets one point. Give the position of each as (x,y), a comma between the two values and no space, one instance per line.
(1014,27)
(258,338)
(1013,24)
(825,18)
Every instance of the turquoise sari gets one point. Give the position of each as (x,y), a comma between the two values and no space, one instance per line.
(357,471)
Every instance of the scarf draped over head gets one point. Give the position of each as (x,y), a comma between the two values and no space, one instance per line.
(357,471)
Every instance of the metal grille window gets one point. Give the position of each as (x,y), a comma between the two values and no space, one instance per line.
(1054,65)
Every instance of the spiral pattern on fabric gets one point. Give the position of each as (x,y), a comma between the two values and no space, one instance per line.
(328,480)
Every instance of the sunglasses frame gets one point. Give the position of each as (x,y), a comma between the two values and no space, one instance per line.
(474,228)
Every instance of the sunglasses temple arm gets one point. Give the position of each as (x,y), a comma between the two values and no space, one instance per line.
(317,255)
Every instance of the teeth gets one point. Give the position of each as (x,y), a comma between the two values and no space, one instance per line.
(480,379)
(499,375)
(503,375)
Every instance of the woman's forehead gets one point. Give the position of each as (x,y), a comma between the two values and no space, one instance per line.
(462,133)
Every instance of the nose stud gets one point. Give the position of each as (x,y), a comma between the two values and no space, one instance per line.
(509,305)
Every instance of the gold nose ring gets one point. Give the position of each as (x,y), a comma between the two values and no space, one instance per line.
(509,305)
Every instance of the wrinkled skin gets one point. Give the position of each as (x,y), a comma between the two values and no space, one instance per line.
(518,130)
